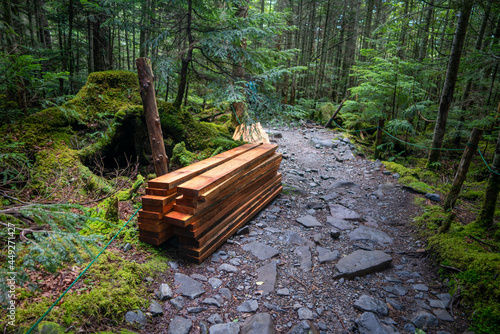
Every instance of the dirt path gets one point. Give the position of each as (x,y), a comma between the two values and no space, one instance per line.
(282,268)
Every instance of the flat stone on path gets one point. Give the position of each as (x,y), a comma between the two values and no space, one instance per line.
(305,314)
(260,323)
(368,323)
(330,197)
(308,221)
(368,233)
(260,250)
(294,238)
(214,282)
(187,286)
(228,268)
(339,224)
(267,275)
(443,315)
(325,255)
(369,304)
(165,292)
(341,212)
(424,319)
(248,306)
(345,184)
(155,308)
(135,317)
(227,328)
(304,255)
(180,325)
(360,263)
(304,327)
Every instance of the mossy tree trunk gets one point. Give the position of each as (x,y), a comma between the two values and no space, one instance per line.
(492,189)
(449,83)
(147,90)
(463,168)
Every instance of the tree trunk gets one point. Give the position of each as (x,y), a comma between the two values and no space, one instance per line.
(147,90)
(463,168)
(186,60)
(239,72)
(449,83)
(487,213)
(143,37)
(425,37)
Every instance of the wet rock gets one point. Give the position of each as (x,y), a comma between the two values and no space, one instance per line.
(443,315)
(360,263)
(330,197)
(410,328)
(394,304)
(228,268)
(308,221)
(369,304)
(173,265)
(315,205)
(422,305)
(423,320)
(273,307)
(155,308)
(305,314)
(304,255)
(136,317)
(304,327)
(260,323)
(199,277)
(294,238)
(226,293)
(196,309)
(345,184)
(227,328)
(211,301)
(433,197)
(341,212)
(421,287)
(214,282)
(367,233)
(178,302)
(445,298)
(187,286)
(215,319)
(165,292)
(437,303)
(283,292)
(325,255)
(368,323)
(180,325)
(248,306)
(267,275)
(339,224)
(263,252)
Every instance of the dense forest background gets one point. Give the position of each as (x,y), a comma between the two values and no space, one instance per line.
(75,154)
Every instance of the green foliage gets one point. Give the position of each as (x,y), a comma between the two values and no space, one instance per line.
(181,155)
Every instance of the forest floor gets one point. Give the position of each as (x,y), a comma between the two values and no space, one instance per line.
(281,267)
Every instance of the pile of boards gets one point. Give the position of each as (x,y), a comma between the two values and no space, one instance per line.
(207,202)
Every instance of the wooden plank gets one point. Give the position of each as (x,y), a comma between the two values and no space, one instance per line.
(150,215)
(150,221)
(159,235)
(154,227)
(229,188)
(201,253)
(159,209)
(203,234)
(160,192)
(173,179)
(199,226)
(184,219)
(153,200)
(215,176)
(154,241)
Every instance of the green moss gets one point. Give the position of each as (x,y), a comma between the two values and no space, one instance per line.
(112,210)
(181,155)
(417,178)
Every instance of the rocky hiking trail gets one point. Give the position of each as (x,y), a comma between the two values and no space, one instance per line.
(336,252)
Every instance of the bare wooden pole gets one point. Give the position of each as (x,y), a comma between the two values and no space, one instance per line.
(378,141)
(463,168)
(327,125)
(147,89)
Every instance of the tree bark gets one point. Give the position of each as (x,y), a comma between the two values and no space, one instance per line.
(329,123)
(425,38)
(186,60)
(239,72)
(449,83)
(487,213)
(463,168)
(147,90)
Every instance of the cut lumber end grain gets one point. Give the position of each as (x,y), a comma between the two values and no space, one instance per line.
(252,133)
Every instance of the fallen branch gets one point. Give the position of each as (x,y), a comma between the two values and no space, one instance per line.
(484,243)
(340,319)
(450,268)
(327,125)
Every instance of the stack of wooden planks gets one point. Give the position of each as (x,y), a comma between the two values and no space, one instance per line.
(205,203)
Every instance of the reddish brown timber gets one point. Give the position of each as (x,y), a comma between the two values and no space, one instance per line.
(160,235)
(224,189)
(160,192)
(183,219)
(159,209)
(215,176)
(200,254)
(150,215)
(202,238)
(154,241)
(153,200)
(154,227)
(173,179)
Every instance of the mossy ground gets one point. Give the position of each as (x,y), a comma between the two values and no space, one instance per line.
(74,154)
